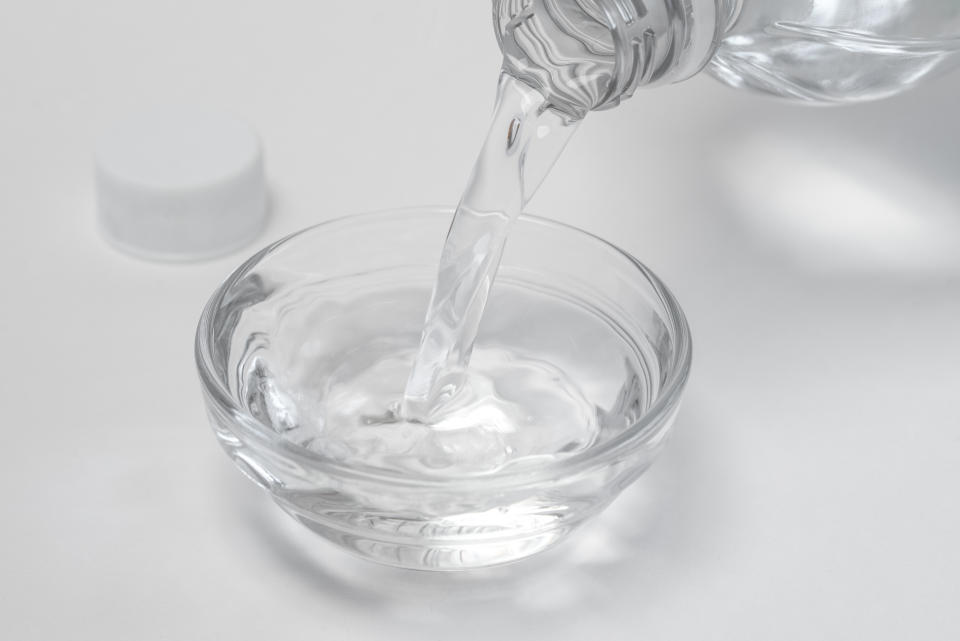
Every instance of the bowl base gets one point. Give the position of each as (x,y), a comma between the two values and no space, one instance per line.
(431,554)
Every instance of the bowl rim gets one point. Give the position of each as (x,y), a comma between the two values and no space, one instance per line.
(607,453)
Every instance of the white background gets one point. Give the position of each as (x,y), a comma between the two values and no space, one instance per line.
(811,487)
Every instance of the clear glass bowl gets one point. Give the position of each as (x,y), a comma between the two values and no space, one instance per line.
(276,333)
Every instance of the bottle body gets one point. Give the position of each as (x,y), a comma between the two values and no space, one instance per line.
(837,51)
(591,54)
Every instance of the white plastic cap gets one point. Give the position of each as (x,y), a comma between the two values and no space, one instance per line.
(180,184)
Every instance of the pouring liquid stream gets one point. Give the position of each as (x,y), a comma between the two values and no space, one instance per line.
(525,139)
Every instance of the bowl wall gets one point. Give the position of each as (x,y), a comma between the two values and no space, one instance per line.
(632,358)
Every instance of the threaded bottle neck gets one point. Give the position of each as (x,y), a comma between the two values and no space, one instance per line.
(591,54)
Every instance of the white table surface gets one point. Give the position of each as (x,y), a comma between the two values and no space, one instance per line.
(810,491)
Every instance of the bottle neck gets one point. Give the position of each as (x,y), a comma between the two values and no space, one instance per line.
(592,54)
(660,41)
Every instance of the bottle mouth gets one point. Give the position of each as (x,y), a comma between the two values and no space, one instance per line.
(582,55)
(565,49)
(586,55)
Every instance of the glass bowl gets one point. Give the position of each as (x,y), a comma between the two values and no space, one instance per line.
(280,344)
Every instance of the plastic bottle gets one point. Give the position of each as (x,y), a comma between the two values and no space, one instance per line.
(591,54)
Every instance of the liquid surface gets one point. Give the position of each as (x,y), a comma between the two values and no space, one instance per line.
(327,372)
(524,141)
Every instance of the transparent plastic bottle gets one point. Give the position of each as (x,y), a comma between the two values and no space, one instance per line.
(591,54)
